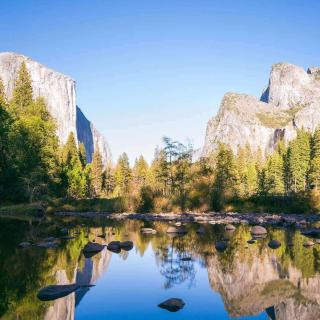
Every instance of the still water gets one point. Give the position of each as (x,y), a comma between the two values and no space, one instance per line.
(246,281)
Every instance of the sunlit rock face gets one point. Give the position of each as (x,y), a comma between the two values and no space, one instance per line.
(253,283)
(291,101)
(59,92)
(63,308)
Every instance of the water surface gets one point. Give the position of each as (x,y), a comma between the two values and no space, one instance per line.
(246,281)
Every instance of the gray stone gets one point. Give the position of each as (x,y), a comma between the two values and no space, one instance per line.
(221,246)
(126,245)
(258,230)
(172,305)
(274,244)
(230,227)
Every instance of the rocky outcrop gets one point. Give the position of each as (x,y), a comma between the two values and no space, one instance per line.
(291,101)
(59,92)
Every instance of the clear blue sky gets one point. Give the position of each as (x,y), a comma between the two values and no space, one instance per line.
(149,68)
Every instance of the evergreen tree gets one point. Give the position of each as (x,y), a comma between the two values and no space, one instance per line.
(82,155)
(76,178)
(274,174)
(226,178)
(122,176)
(96,173)
(299,161)
(22,93)
(140,172)
(3,98)
(314,174)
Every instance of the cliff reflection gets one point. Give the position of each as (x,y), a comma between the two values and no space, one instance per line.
(250,278)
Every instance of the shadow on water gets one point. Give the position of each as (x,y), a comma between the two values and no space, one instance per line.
(249,277)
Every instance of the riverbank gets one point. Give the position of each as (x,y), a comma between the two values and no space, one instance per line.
(211,217)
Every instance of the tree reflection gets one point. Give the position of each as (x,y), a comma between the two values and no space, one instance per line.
(177,268)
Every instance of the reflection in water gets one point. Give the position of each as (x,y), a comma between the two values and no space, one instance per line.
(250,278)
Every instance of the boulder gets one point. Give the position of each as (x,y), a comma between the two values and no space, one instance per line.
(177,230)
(221,246)
(24,244)
(114,246)
(148,231)
(258,231)
(229,227)
(172,305)
(274,244)
(54,292)
(126,245)
(308,243)
(201,230)
(47,245)
(92,248)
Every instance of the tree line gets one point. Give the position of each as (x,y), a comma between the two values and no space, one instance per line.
(33,166)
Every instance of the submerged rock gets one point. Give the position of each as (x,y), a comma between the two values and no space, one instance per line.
(258,231)
(114,246)
(126,245)
(274,244)
(229,227)
(308,243)
(56,291)
(148,231)
(24,244)
(47,245)
(221,246)
(92,248)
(201,230)
(177,230)
(172,305)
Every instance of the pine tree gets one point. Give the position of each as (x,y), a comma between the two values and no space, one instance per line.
(82,155)
(76,177)
(3,98)
(96,173)
(226,178)
(140,172)
(299,161)
(22,93)
(123,175)
(314,174)
(274,174)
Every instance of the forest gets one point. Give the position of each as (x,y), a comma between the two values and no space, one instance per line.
(35,168)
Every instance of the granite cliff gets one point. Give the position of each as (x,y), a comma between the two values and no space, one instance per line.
(59,92)
(290,101)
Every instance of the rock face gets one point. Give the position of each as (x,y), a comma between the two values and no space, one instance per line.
(291,101)
(59,92)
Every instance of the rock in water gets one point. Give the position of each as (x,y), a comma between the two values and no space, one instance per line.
(172,305)
(126,245)
(221,246)
(308,243)
(59,92)
(229,227)
(92,248)
(258,231)
(177,230)
(274,244)
(201,230)
(290,102)
(148,231)
(56,291)
(114,246)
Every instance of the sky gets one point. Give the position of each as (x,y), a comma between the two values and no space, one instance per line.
(148,68)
